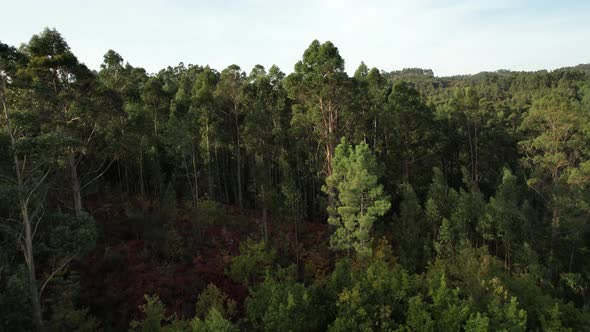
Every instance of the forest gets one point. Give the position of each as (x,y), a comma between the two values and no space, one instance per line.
(194,199)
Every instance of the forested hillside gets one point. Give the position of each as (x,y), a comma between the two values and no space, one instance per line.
(202,199)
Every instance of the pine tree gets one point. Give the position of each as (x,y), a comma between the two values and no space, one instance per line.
(359,197)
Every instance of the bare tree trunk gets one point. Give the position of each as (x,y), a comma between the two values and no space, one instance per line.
(76,192)
(155,120)
(120,181)
(476,165)
(264,216)
(375,133)
(407,170)
(141,184)
(196,188)
(572,256)
(224,184)
(296,220)
(471,154)
(554,235)
(37,318)
(209,176)
(239,157)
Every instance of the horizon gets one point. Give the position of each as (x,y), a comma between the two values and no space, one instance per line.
(452,38)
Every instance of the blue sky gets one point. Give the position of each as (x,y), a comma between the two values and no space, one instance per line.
(450,37)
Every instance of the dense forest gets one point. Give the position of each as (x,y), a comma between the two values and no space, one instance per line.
(194,199)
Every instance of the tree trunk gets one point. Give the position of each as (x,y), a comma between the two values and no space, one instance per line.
(296,241)
(264,216)
(37,318)
(141,182)
(554,236)
(239,157)
(28,247)
(155,120)
(195,176)
(572,256)
(76,191)
(209,176)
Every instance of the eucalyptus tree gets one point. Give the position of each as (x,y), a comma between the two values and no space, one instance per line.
(29,177)
(264,130)
(373,92)
(409,133)
(230,90)
(556,151)
(65,98)
(203,108)
(323,92)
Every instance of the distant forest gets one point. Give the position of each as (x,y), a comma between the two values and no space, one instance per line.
(194,199)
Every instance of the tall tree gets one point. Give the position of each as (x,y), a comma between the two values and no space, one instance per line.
(323,91)
(27,181)
(202,108)
(230,89)
(64,89)
(554,151)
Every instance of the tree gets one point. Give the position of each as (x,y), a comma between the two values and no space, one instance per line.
(156,319)
(254,259)
(63,95)
(555,150)
(264,131)
(281,304)
(373,91)
(359,197)
(213,322)
(375,300)
(213,298)
(504,217)
(410,131)
(28,181)
(322,89)
(230,88)
(202,108)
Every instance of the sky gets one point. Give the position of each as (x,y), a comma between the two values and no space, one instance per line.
(450,37)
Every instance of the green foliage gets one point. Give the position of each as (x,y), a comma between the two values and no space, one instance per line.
(71,235)
(504,219)
(281,304)
(440,201)
(66,315)
(15,306)
(212,298)
(207,213)
(374,299)
(168,208)
(213,322)
(254,260)
(419,318)
(155,319)
(477,323)
(360,200)
(411,230)
(503,310)
(448,309)
(489,178)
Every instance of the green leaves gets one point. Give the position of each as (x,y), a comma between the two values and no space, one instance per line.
(281,304)
(255,258)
